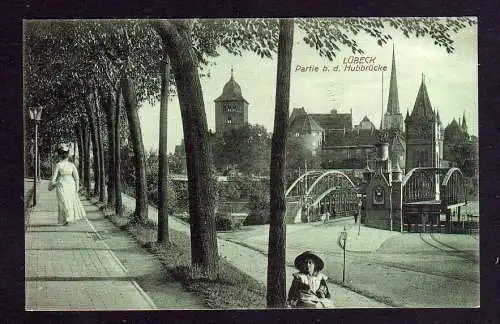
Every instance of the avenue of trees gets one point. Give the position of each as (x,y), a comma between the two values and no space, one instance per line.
(92,76)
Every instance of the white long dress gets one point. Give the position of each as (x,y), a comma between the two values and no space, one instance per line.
(70,208)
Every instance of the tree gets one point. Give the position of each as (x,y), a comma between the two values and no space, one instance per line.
(258,203)
(299,158)
(163,198)
(235,146)
(324,35)
(141,198)
(276,281)
(201,185)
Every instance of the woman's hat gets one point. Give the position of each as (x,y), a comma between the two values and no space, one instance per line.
(319,264)
(63,147)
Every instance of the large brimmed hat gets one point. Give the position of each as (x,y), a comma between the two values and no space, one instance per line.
(309,255)
(63,147)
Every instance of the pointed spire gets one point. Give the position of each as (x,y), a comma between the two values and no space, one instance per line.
(393,100)
(232,77)
(464,124)
(382,113)
(422,107)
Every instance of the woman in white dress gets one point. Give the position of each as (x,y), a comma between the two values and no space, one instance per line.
(66,182)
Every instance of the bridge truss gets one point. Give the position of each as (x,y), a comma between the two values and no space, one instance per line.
(317,192)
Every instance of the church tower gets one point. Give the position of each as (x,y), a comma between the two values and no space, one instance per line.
(422,133)
(393,118)
(464,124)
(231,109)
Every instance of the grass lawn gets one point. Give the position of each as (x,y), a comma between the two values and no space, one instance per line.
(231,289)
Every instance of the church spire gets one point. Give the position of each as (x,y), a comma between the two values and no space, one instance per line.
(232,78)
(393,100)
(464,124)
(382,113)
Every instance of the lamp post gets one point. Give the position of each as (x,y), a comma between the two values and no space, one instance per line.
(342,242)
(36,116)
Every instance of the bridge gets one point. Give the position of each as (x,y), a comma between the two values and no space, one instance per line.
(429,193)
(420,197)
(319,191)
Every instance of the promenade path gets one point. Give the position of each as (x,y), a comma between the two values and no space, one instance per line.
(72,267)
(253,261)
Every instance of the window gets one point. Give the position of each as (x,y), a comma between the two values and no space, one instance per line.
(229,121)
(230,108)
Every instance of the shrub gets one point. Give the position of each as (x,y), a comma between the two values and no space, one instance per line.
(223,224)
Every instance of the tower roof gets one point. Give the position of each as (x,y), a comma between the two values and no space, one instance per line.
(305,124)
(422,108)
(393,100)
(464,124)
(231,91)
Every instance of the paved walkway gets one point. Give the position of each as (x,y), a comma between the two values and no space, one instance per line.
(253,261)
(72,267)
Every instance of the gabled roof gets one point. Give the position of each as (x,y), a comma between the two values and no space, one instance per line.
(297,112)
(398,140)
(366,120)
(422,108)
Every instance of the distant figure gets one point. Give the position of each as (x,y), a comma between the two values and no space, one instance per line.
(357,212)
(309,288)
(66,182)
(326,217)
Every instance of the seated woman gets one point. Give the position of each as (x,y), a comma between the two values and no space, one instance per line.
(309,289)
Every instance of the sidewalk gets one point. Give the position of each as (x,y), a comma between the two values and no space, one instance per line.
(253,262)
(72,267)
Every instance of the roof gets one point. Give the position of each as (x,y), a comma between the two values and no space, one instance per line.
(398,140)
(422,108)
(393,100)
(352,138)
(366,120)
(304,124)
(231,91)
(333,120)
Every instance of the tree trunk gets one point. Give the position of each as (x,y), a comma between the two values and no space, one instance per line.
(110,120)
(86,152)
(201,184)
(100,151)
(117,160)
(79,141)
(95,145)
(163,156)
(141,199)
(276,274)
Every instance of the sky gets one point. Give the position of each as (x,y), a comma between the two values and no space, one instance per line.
(451,80)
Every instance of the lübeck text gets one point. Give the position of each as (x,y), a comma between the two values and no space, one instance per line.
(349,64)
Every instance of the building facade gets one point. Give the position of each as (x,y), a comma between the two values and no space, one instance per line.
(424,140)
(231,109)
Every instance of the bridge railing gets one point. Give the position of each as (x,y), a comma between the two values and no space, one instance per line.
(453,188)
(420,184)
(319,191)
(431,184)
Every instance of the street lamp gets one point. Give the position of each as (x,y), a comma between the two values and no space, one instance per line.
(36,116)
(342,242)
